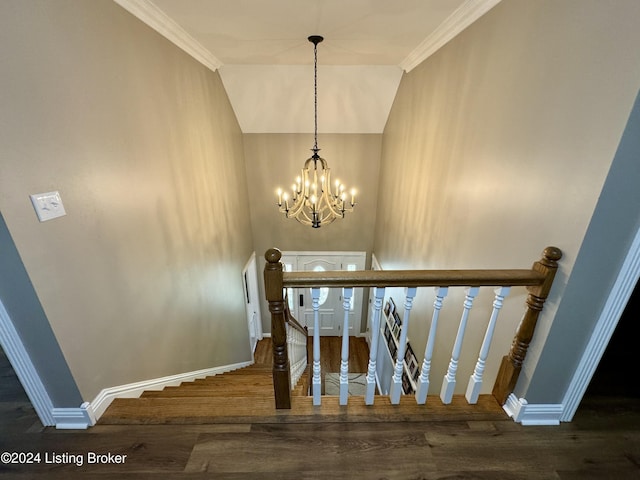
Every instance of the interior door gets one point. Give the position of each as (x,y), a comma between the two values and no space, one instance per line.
(330,312)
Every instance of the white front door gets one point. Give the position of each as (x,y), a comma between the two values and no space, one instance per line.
(331,311)
(329,317)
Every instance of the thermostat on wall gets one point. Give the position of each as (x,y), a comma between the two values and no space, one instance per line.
(48,205)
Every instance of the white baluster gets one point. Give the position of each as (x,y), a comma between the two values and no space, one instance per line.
(396,381)
(373,353)
(423,381)
(291,352)
(475,381)
(316,382)
(344,363)
(449,381)
(298,354)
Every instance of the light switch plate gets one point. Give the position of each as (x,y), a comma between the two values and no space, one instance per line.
(48,205)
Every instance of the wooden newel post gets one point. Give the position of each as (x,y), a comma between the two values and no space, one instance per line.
(512,363)
(274,293)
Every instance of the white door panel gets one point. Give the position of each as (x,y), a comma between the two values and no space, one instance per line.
(331,313)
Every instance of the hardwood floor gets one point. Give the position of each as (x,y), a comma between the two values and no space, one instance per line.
(603,442)
(330,349)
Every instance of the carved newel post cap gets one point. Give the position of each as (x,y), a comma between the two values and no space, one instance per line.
(273,255)
(552,254)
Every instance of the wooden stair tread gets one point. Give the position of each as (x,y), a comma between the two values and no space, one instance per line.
(211,382)
(231,390)
(200,410)
(251,369)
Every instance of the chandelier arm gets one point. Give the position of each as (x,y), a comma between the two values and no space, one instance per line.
(303,196)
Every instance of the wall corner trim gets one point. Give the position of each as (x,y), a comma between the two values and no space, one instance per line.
(25,370)
(529,414)
(613,309)
(97,407)
(153,16)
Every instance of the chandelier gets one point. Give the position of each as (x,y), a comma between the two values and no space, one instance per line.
(314,200)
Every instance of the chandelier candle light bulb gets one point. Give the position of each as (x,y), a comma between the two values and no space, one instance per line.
(313,202)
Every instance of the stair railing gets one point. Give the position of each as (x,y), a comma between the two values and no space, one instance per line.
(538,281)
(296,345)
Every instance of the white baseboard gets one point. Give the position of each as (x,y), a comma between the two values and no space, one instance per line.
(99,404)
(533,414)
(73,418)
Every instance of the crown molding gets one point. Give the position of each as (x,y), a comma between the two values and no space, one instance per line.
(150,14)
(465,15)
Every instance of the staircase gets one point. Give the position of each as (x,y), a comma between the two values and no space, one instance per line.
(246,396)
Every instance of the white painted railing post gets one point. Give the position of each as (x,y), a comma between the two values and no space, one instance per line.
(344,363)
(316,381)
(423,381)
(373,350)
(396,381)
(449,381)
(475,381)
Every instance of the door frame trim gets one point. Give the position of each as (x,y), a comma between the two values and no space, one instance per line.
(250,284)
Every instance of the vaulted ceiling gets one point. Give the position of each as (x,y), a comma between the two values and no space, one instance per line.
(261,51)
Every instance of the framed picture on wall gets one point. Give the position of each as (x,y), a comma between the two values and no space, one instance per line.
(412,366)
(395,329)
(387,307)
(396,317)
(415,374)
(409,355)
(392,349)
(407,388)
(392,306)
(387,333)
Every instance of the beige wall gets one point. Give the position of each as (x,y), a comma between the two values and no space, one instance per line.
(142,277)
(499,144)
(275,160)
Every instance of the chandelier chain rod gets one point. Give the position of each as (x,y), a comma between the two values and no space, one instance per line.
(315,96)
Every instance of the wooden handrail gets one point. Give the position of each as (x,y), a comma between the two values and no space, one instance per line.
(291,320)
(413,278)
(538,281)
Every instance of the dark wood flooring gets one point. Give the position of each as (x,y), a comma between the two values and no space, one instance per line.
(603,442)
